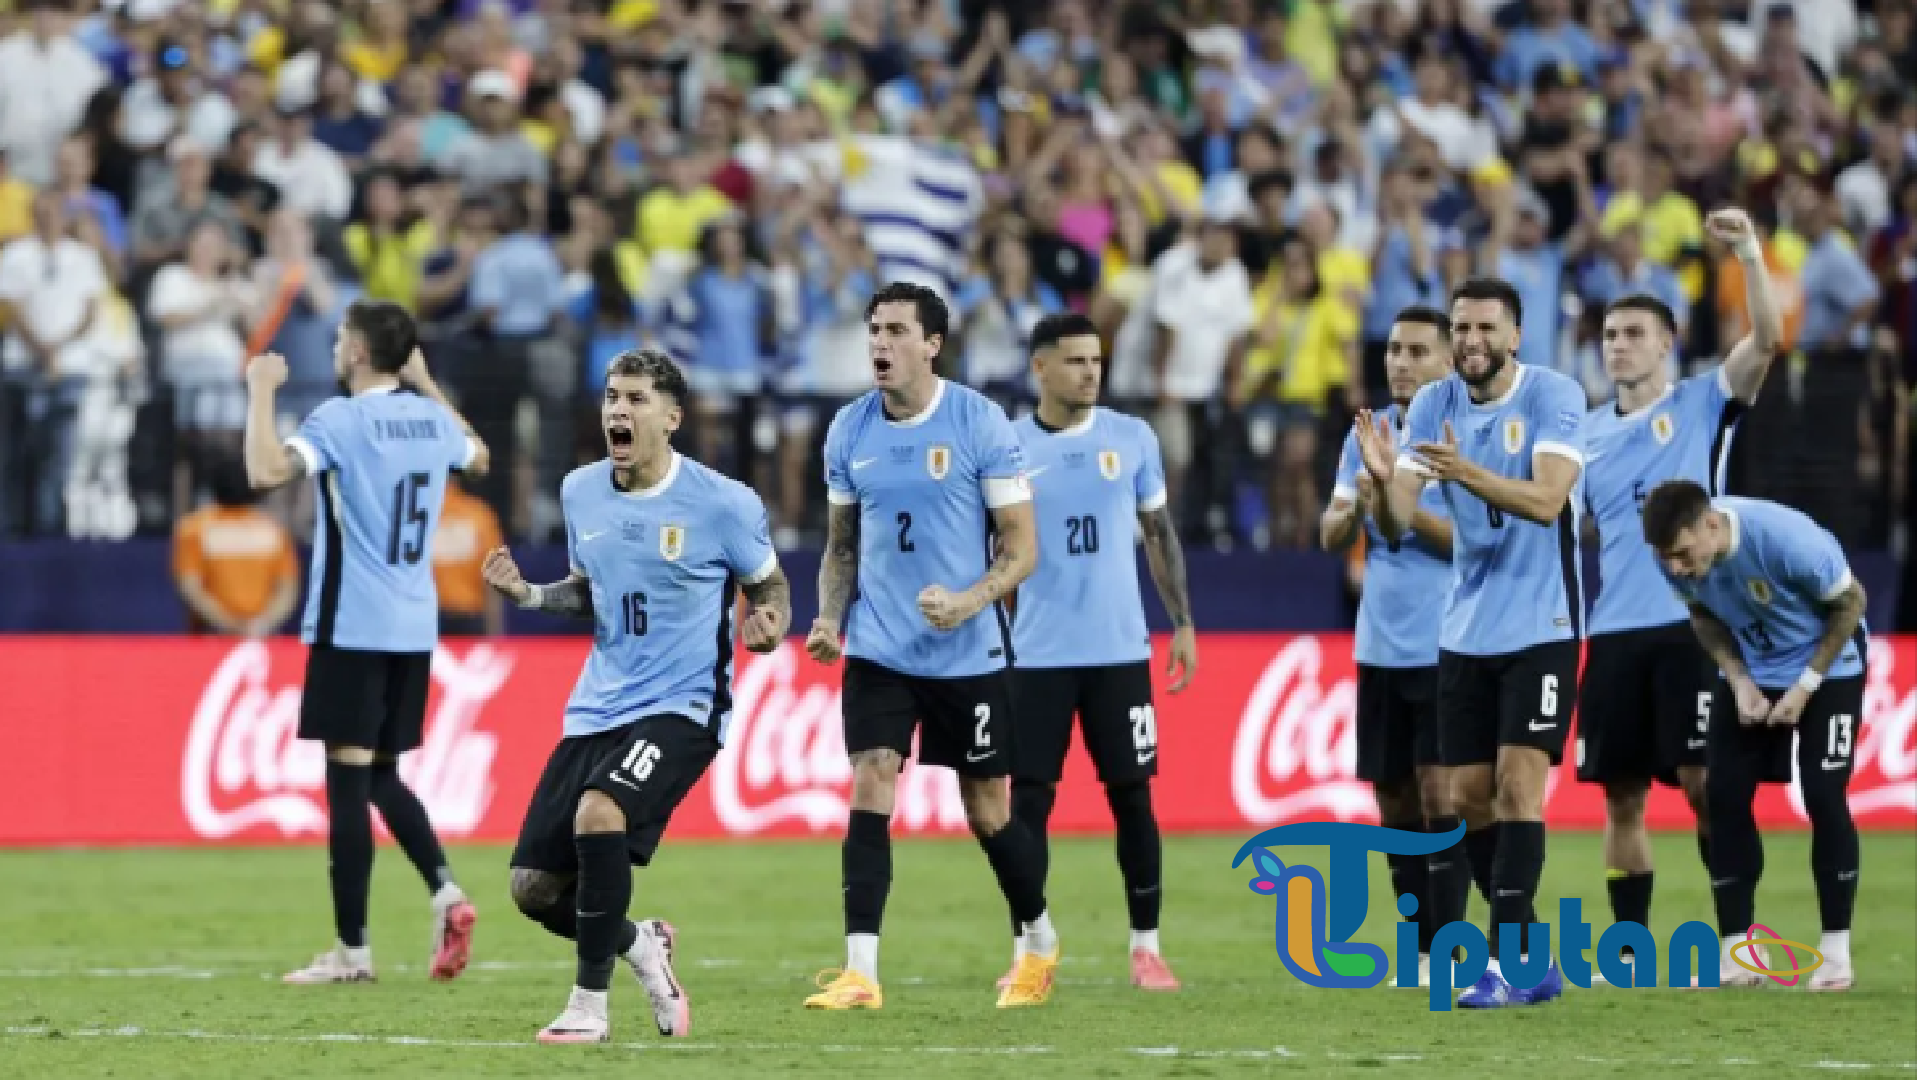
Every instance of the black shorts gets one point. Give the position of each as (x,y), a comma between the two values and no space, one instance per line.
(1521,698)
(1828,729)
(647,767)
(1395,726)
(964,722)
(1644,699)
(373,700)
(1115,706)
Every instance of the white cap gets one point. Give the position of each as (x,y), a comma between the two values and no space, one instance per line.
(493,83)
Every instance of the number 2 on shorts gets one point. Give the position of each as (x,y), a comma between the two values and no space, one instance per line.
(982,716)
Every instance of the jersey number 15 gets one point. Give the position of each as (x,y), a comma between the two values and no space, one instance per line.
(407,511)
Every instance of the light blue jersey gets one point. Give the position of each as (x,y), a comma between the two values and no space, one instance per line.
(925,487)
(1405,588)
(380,461)
(1771,589)
(1081,607)
(1515,584)
(665,564)
(1682,436)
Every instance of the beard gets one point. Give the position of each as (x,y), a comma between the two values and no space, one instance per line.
(1496,363)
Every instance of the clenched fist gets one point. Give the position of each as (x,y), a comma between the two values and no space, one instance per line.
(823,641)
(268,371)
(503,574)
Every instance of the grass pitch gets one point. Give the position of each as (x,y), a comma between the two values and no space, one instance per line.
(165,963)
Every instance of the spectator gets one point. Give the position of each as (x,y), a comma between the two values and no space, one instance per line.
(52,287)
(311,178)
(388,244)
(233,179)
(46,80)
(1406,271)
(994,312)
(726,319)
(1305,349)
(16,203)
(1623,269)
(468,531)
(234,565)
(1203,312)
(1537,268)
(301,304)
(173,204)
(339,124)
(495,153)
(1841,293)
(1865,188)
(201,304)
(175,101)
(1550,39)
(74,181)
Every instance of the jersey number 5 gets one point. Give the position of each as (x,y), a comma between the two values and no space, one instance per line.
(408,511)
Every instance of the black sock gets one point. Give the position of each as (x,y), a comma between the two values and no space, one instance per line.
(1736,854)
(1136,843)
(1409,875)
(407,820)
(1016,864)
(1479,844)
(866,871)
(1032,806)
(1448,879)
(606,888)
(1517,862)
(349,848)
(1836,858)
(562,919)
(1630,892)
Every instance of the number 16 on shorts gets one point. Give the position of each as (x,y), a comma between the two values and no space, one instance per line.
(634,769)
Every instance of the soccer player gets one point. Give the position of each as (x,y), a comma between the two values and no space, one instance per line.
(1645,694)
(1079,630)
(380,461)
(923,475)
(1772,600)
(1396,641)
(1504,440)
(657,544)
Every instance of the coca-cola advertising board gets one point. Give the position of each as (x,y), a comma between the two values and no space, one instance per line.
(178,740)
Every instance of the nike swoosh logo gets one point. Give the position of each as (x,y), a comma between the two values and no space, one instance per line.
(616,778)
(977,756)
(592,535)
(1141,757)
(1535,725)
(1830,766)
(863,463)
(1696,744)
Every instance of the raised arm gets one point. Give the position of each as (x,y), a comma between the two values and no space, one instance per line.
(1747,363)
(571,596)
(269,463)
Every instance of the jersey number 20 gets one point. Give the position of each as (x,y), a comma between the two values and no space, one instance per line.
(408,511)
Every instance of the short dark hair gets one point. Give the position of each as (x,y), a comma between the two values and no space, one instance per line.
(928,308)
(387,331)
(231,488)
(655,366)
(1644,302)
(1670,508)
(1488,288)
(1430,316)
(1064,324)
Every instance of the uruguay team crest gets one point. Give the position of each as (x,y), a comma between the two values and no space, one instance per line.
(1663,428)
(939,460)
(1110,464)
(673,540)
(1514,435)
(1761,592)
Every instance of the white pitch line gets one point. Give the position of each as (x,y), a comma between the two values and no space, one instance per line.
(1276,1052)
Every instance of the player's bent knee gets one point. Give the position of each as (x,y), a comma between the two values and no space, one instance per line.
(876,773)
(350,755)
(598,813)
(987,804)
(537,891)
(1471,788)
(1436,795)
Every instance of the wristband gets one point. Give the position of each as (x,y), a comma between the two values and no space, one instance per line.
(1748,250)
(1810,680)
(532,601)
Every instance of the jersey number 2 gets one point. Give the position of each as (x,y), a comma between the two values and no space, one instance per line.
(408,511)
(906,525)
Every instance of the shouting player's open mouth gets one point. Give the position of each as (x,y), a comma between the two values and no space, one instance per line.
(620,440)
(881,366)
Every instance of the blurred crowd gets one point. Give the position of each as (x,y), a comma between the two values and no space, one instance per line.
(1241,193)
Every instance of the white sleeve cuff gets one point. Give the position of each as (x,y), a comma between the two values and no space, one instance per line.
(473,451)
(308,455)
(841,498)
(1560,450)
(1413,465)
(1154,501)
(1002,491)
(1345,492)
(1726,384)
(766,569)
(1839,587)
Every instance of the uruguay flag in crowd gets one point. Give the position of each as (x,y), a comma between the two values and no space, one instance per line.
(919,202)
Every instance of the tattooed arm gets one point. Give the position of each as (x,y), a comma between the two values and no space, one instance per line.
(1016,556)
(1168,564)
(572,596)
(839,570)
(772,600)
